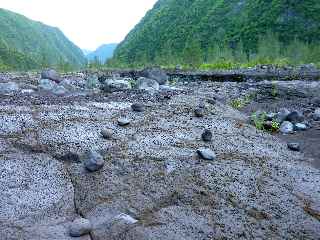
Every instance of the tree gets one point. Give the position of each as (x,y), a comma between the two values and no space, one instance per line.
(192,54)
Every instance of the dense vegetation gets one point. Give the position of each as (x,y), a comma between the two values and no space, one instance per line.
(27,44)
(102,53)
(214,33)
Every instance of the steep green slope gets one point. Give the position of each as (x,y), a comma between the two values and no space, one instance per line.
(175,30)
(36,43)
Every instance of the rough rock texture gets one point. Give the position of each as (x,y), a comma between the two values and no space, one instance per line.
(153,184)
(116,85)
(156,74)
(147,84)
(51,75)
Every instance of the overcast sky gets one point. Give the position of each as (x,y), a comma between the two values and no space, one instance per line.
(88,23)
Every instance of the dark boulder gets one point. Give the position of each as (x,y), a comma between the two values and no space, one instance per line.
(295,117)
(156,74)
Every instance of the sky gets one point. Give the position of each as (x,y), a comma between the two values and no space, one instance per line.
(87,23)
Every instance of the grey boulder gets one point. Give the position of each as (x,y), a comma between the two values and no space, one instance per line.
(156,74)
(51,74)
(111,85)
(51,86)
(94,161)
(80,227)
(147,84)
(282,115)
(286,127)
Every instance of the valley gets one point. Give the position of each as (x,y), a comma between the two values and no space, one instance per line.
(201,121)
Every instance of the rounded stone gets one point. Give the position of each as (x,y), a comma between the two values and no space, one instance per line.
(137,107)
(294,146)
(286,127)
(51,75)
(316,115)
(295,117)
(207,135)
(80,227)
(199,112)
(94,162)
(106,134)
(206,154)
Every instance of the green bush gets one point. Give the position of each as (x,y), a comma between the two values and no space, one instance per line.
(259,120)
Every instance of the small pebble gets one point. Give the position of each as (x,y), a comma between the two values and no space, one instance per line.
(106,134)
(199,112)
(294,146)
(207,135)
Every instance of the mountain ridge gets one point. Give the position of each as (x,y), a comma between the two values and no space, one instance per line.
(45,45)
(102,53)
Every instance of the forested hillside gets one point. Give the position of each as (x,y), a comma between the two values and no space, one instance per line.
(27,44)
(198,31)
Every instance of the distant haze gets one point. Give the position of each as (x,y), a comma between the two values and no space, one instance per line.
(88,24)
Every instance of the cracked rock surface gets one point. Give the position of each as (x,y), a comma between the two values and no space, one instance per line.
(153,184)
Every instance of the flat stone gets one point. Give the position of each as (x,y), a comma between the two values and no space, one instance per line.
(206,154)
(123,122)
(80,227)
(94,162)
(9,87)
(300,127)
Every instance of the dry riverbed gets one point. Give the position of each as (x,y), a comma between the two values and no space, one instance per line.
(147,179)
